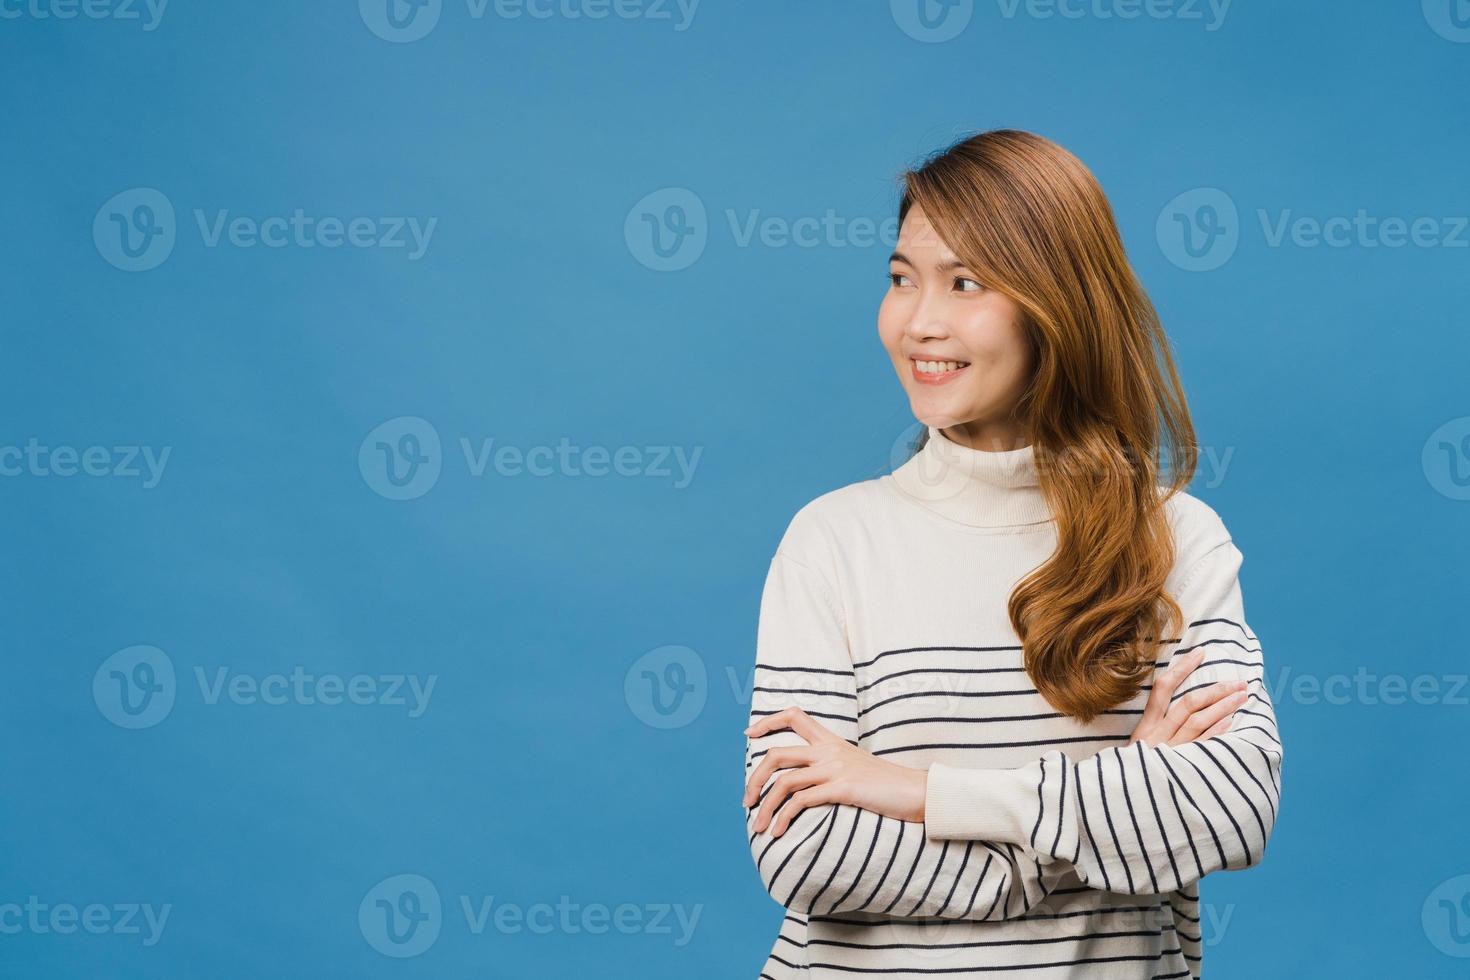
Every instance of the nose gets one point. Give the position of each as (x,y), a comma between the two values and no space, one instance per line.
(927,320)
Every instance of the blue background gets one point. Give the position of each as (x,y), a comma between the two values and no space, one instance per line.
(1329,374)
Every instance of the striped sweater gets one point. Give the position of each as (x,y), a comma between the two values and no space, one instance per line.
(1049,848)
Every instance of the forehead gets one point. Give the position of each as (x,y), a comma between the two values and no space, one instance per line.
(919,241)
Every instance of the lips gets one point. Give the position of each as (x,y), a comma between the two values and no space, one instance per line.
(930,371)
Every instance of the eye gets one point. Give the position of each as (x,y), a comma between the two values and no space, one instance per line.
(898,279)
(967,285)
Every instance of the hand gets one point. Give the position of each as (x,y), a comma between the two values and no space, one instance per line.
(1198,715)
(828,769)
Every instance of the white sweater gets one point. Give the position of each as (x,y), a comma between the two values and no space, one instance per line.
(1049,848)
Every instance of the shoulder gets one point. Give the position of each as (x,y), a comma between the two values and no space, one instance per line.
(1198,529)
(815,533)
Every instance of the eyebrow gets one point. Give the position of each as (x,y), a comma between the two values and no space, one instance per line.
(943,266)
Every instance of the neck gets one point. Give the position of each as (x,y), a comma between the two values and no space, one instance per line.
(975,487)
(990,437)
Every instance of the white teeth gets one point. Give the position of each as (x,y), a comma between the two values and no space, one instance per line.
(938,367)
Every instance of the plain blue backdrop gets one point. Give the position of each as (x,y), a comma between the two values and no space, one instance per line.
(652,233)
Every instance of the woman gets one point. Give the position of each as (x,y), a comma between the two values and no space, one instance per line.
(1007,710)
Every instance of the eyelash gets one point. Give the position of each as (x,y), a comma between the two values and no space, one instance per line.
(894,277)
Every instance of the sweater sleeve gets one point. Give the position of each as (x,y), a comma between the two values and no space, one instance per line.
(1139,819)
(840,858)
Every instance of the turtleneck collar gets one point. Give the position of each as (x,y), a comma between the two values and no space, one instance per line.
(973,486)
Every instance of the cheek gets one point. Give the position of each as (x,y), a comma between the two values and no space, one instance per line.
(890,326)
(993,338)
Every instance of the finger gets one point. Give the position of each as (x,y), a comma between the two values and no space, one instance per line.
(1170,729)
(767,724)
(785,785)
(1208,718)
(1156,726)
(797,721)
(776,722)
(783,757)
(1203,697)
(1198,700)
(1165,685)
(1179,669)
(799,802)
(1219,729)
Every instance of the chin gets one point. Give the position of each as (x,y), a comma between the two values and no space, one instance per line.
(939,418)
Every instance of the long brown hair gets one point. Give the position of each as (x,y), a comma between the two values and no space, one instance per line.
(1030,219)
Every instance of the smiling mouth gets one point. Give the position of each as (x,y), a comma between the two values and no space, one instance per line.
(932,372)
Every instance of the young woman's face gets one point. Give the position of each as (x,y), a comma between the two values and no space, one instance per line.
(958,347)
